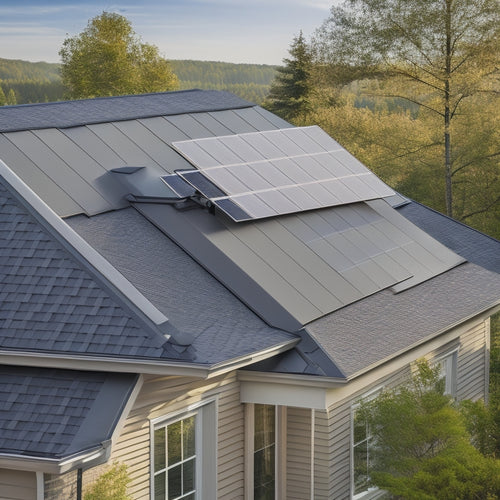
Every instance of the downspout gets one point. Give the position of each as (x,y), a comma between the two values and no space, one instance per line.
(79,482)
(313,416)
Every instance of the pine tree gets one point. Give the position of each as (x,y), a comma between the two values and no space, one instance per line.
(291,89)
(3,99)
(11,97)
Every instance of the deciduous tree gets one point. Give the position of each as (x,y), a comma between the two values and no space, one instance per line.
(420,447)
(108,58)
(440,53)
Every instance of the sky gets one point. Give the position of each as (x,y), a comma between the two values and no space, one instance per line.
(238,31)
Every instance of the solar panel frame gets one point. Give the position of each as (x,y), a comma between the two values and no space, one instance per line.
(272,166)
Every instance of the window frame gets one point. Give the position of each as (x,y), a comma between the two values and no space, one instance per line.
(448,363)
(279,449)
(371,491)
(205,413)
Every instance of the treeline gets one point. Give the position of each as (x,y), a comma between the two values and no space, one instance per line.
(24,82)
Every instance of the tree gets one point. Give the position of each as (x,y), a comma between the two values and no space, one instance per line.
(3,99)
(108,58)
(439,54)
(420,447)
(290,91)
(110,485)
(11,97)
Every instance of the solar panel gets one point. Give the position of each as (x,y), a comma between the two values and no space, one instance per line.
(178,185)
(277,172)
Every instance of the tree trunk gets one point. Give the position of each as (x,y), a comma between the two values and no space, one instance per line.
(447,115)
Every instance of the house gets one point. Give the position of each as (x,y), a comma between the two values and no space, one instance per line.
(195,288)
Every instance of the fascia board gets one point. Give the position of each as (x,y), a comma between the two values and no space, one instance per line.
(87,459)
(152,367)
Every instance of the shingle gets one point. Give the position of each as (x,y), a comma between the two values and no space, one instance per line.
(66,114)
(189,296)
(51,302)
(43,410)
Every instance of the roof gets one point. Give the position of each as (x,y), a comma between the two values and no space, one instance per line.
(94,263)
(52,301)
(471,244)
(66,114)
(259,279)
(52,413)
(222,326)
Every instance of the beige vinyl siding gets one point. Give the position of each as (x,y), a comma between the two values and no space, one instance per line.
(298,447)
(17,485)
(161,396)
(473,363)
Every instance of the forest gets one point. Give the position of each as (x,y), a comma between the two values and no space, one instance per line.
(27,82)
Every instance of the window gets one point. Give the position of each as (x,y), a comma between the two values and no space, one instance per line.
(175,460)
(183,454)
(448,372)
(265,467)
(264,454)
(361,454)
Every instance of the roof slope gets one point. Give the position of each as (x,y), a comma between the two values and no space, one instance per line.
(222,326)
(471,244)
(51,302)
(53,413)
(65,114)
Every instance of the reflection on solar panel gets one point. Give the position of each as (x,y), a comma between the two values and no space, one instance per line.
(263,174)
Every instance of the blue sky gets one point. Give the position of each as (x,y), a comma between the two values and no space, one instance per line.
(250,31)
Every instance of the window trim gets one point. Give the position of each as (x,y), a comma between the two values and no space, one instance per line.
(450,371)
(280,450)
(367,396)
(205,447)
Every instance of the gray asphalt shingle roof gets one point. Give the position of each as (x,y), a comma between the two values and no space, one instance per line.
(52,413)
(193,300)
(66,114)
(49,302)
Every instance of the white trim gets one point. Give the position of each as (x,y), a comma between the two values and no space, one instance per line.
(40,486)
(313,427)
(206,455)
(367,396)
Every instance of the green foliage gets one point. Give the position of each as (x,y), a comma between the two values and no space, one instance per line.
(289,96)
(420,445)
(111,485)
(248,81)
(108,58)
(434,53)
(43,84)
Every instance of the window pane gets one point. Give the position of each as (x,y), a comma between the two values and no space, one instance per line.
(174,443)
(174,482)
(159,449)
(160,486)
(361,478)
(264,426)
(188,473)
(360,433)
(188,437)
(264,470)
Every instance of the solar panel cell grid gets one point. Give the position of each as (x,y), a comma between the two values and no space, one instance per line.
(275,165)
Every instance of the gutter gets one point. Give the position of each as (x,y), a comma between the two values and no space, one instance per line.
(85,459)
(144,366)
